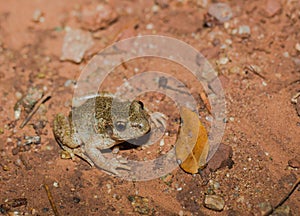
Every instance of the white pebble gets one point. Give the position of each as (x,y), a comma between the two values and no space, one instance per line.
(286,54)
(228,41)
(149,26)
(18,95)
(244,30)
(155,8)
(297,47)
(209,118)
(223,60)
(162,143)
(55,184)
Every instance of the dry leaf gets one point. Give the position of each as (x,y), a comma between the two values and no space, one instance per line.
(192,143)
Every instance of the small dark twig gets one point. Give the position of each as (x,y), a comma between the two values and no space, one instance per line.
(253,70)
(36,107)
(50,198)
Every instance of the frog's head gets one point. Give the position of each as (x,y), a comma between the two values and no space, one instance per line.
(130,121)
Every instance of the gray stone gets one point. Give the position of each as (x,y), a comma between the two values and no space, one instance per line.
(214,202)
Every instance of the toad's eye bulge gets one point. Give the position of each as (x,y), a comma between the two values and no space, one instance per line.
(120,126)
(138,125)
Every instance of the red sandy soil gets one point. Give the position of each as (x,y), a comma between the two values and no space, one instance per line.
(260,78)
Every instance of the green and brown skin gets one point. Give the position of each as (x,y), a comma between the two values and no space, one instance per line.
(109,122)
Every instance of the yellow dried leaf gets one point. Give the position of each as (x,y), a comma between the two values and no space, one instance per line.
(192,142)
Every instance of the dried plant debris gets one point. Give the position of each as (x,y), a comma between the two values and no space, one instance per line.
(192,144)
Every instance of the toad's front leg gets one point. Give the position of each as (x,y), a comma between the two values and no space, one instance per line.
(92,150)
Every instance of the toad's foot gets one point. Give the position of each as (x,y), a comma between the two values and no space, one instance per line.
(295,97)
(159,119)
(78,152)
(115,164)
(109,165)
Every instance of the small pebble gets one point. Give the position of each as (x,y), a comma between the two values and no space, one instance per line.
(55,184)
(295,162)
(162,143)
(76,199)
(38,16)
(214,202)
(45,210)
(149,26)
(155,8)
(228,41)
(283,210)
(108,186)
(244,30)
(140,204)
(68,83)
(272,7)
(223,61)
(209,118)
(286,54)
(221,11)
(76,43)
(5,168)
(18,95)
(265,207)
(297,46)
(179,189)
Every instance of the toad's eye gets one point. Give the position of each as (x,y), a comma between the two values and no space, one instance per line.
(120,126)
(140,126)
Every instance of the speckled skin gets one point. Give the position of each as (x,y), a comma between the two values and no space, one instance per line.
(102,123)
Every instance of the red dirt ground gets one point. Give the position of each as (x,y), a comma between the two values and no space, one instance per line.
(263,126)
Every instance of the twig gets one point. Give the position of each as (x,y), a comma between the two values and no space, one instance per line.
(50,198)
(36,107)
(285,198)
(205,100)
(253,70)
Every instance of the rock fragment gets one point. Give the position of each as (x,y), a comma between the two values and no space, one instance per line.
(221,159)
(214,202)
(272,7)
(221,11)
(294,162)
(265,208)
(76,43)
(283,210)
(95,17)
